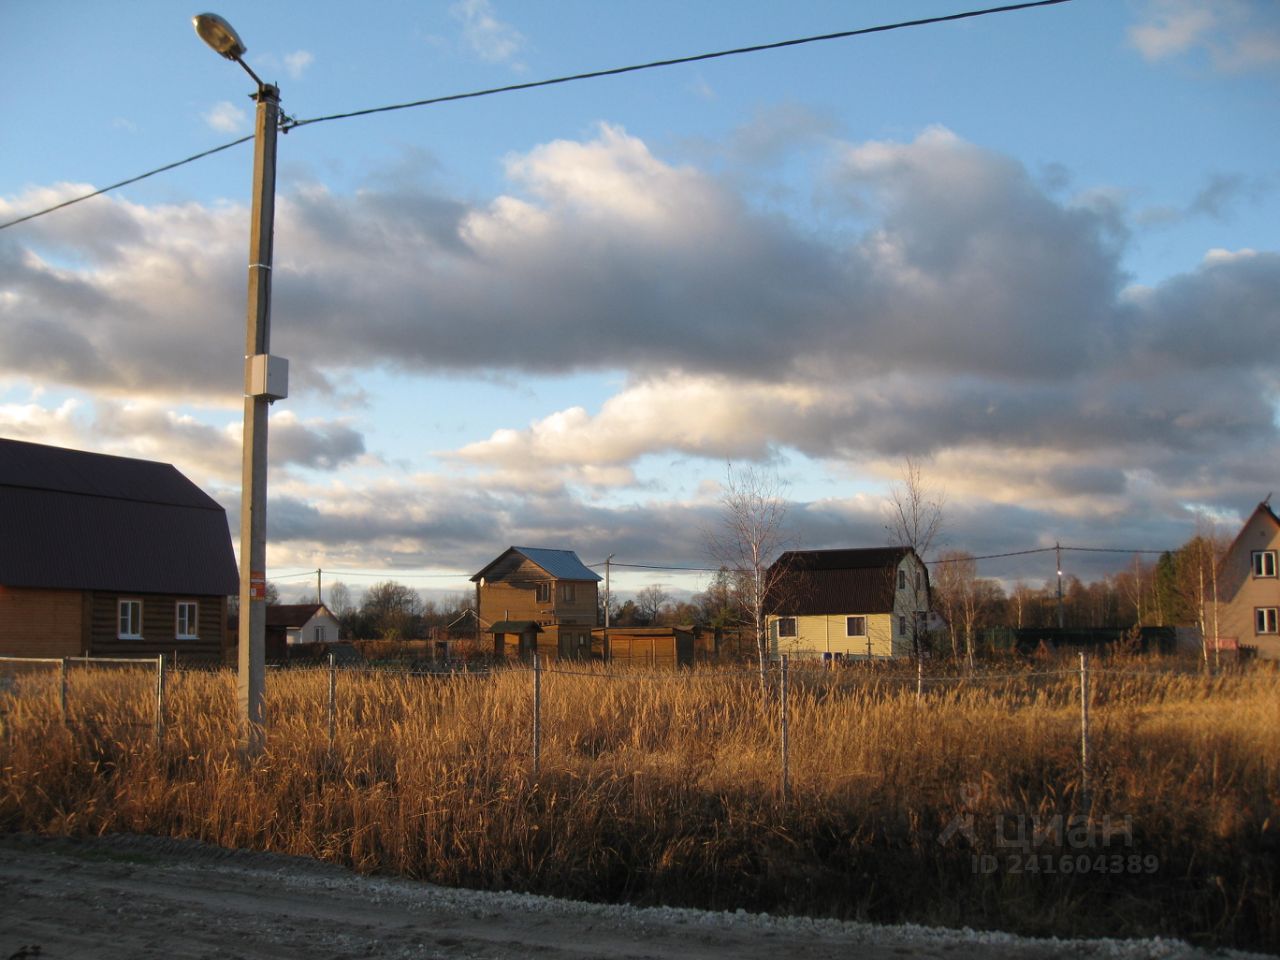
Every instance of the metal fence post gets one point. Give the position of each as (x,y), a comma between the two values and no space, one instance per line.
(537,715)
(782,696)
(333,697)
(1084,730)
(62,684)
(159,699)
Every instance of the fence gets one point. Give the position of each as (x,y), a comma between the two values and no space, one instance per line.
(18,673)
(1020,686)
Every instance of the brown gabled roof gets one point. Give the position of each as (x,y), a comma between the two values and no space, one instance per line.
(292,614)
(87,521)
(819,582)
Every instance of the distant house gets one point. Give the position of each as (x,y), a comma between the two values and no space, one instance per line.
(1249,588)
(838,604)
(109,556)
(293,623)
(535,599)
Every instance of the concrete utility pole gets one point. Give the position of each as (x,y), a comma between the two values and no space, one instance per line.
(265,380)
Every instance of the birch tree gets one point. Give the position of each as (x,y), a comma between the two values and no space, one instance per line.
(748,539)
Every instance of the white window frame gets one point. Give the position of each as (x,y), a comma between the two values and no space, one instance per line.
(1265,620)
(793,630)
(193,621)
(848,624)
(134,619)
(1263,563)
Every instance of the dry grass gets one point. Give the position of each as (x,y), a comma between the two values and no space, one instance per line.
(665,788)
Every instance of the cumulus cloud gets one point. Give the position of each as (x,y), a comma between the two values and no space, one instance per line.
(963,311)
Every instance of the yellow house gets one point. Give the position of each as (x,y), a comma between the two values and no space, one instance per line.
(848,604)
(1249,589)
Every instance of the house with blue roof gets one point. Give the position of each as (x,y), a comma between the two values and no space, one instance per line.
(533,599)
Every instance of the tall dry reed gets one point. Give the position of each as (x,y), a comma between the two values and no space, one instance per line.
(955,807)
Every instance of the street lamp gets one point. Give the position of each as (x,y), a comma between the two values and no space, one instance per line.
(266,379)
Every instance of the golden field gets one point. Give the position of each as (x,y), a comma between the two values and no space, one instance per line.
(952,808)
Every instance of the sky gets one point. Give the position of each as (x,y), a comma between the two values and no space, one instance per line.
(1037,252)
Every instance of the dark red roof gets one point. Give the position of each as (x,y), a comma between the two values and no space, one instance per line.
(87,521)
(818,582)
(292,614)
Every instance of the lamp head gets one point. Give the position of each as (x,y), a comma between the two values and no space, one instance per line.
(219,35)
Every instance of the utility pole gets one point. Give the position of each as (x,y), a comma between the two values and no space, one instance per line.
(608,600)
(266,379)
(319,587)
(1058,553)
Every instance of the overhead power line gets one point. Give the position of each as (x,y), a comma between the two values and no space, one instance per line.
(677,61)
(288,124)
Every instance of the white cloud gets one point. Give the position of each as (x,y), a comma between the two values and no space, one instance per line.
(296,63)
(226,117)
(487,36)
(1238,35)
(964,312)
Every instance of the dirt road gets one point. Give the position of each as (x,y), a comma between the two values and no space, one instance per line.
(142,897)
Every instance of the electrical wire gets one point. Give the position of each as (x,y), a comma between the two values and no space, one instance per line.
(675,61)
(125,183)
(288,124)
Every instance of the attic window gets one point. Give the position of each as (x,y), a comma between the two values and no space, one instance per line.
(1264,563)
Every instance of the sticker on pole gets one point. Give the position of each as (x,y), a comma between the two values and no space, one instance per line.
(257,585)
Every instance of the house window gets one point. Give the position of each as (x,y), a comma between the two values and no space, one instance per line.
(186,615)
(568,592)
(319,634)
(902,626)
(130,620)
(855,626)
(902,579)
(1264,563)
(786,626)
(544,593)
(1265,620)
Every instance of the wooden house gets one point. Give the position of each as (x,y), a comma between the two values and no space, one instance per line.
(535,599)
(109,556)
(1249,588)
(847,604)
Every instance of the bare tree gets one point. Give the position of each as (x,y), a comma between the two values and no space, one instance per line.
(915,520)
(749,538)
(650,602)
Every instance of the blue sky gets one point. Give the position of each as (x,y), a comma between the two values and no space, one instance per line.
(1038,251)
